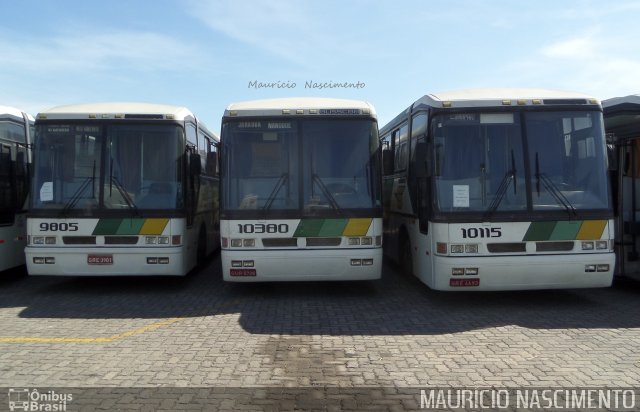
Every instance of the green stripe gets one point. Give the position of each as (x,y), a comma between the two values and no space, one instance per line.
(539,231)
(107,227)
(566,230)
(309,228)
(130,226)
(333,227)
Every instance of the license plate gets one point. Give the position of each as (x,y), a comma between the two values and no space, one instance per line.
(243,272)
(100,259)
(464,282)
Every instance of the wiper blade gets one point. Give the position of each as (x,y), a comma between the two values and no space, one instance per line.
(279,184)
(76,196)
(130,204)
(502,190)
(556,193)
(326,192)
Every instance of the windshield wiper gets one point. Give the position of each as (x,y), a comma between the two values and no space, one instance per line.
(279,184)
(326,192)
(130,204)
(76,196)
(557,195)
(502,189)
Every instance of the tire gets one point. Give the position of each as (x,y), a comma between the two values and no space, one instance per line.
(405,257)
(202,247)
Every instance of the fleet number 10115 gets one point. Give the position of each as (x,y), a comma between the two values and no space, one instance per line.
(481,232)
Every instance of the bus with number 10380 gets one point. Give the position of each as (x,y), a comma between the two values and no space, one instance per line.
(499,189)
(122,189)
(300,191)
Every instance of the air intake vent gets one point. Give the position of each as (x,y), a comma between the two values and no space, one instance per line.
(564,101)
(120,240)
(79,240)
(324,241)
(554,246)
(280,242)
(507,247)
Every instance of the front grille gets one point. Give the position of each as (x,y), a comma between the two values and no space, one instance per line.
(79,240)
(554,246)
(324,241)
(507,247)
(120,240)
(280,242)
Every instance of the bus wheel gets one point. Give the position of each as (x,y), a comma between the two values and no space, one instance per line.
(202,247)
(406,259)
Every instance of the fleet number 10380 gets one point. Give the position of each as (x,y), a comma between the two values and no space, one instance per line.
(263,228)
(481,232)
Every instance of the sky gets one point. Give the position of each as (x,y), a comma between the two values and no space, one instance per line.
(204,54)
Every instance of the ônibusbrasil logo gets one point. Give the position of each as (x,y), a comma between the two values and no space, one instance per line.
(23,399)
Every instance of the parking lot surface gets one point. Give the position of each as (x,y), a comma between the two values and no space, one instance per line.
(167,336)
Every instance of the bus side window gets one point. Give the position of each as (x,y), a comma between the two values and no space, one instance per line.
(212,160)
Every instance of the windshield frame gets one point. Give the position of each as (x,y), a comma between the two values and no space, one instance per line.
(302,173)
(529,213)
(102,178)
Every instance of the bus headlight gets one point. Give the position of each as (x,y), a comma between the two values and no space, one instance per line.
(38,240)
(457,248)
(587,245)
(602,244)
(236,242)
(471,248)
(150,240)
(353,241)
(163,240)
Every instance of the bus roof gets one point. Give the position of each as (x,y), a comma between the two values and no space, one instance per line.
(117,110)
(82,111)
(615,104)
(499,96)
(293,106)
(7,112)
(496,97)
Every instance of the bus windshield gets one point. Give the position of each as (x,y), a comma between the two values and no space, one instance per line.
(310,166)
(108,166)
(480,162)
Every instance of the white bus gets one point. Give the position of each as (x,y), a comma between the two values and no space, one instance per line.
(301,191)
(500,189)
(15,139)
(622,124)
(122,189)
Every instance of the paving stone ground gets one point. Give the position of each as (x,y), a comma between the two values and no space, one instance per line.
(246,342)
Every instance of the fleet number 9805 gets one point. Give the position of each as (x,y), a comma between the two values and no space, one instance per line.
(58,227)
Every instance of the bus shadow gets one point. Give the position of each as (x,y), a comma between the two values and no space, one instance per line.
(394,305)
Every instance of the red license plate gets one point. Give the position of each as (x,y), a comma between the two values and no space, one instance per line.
(100,259)
(243,272)
(464,282)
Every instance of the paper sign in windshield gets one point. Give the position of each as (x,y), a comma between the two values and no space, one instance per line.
(46,192)
(460,195)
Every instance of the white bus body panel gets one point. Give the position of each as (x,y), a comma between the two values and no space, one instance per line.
(500,271)
(13,240)
(300,262)
(127,260)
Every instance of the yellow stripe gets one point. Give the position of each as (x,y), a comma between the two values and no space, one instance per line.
(591,229)
(154,226)
(357,227)
(105,339)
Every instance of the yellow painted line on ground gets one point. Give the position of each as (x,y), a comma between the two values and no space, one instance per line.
(107,339)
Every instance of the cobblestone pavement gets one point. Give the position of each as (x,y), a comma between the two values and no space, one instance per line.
(383,335)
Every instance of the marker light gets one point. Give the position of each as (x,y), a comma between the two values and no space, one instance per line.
(441,247)
(602,268)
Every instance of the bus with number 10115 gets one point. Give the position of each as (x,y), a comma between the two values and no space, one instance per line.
(499,189)
(15,148)
(122,189)
(300,191)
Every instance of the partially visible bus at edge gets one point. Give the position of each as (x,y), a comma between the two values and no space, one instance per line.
(500,189)
(622,124)
(122,189)
(16,128)
(301,191)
